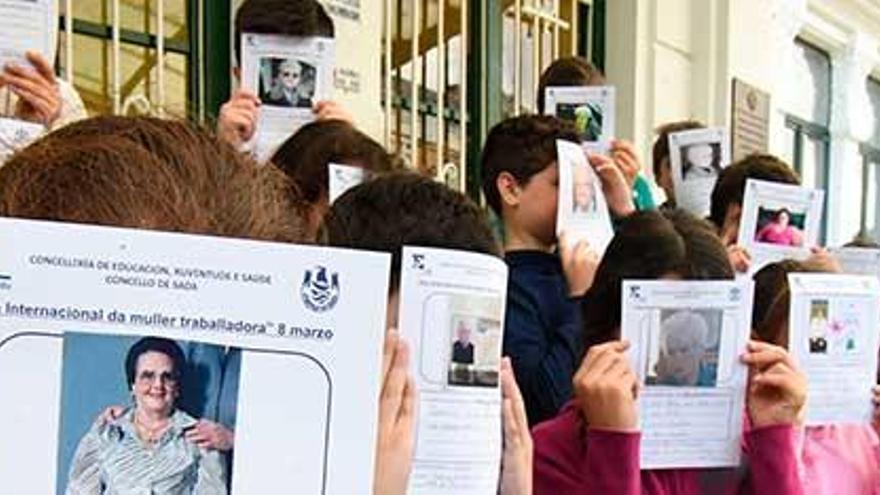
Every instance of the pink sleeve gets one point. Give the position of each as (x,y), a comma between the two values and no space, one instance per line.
(772,461)
(612,462)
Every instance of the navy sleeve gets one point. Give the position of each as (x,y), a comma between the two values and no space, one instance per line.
(544,358)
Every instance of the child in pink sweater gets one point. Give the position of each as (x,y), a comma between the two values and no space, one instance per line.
(832,459)
(592,447)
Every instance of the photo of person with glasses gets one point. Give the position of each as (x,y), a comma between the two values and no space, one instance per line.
(145,449)
(292,83)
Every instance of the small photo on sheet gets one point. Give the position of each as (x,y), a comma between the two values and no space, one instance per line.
(590,109)
(696,158)
(780,226)
(684,353)
(287,82)
(158,390)
(582,211)
(833,333)
(475,350)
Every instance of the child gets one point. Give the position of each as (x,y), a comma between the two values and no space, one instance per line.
(592,447)
(660,157)
(520,182)
(576,71)
(833,458)
(727,198)
(301,18)
(399,209)
(306,155)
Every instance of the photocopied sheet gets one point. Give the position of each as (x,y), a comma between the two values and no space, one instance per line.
(696,158)
(779,221)
(858,261)
(452,314)
(26,25)
(279,344)
(16,134)
(342,178)
(834,333)
(590,108)
(686,337)
(582,212)
(289,75)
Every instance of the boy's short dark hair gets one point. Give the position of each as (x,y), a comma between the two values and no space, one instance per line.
(405,208)
(522,146)
(568,71)
(283,17)
(731,185)
(660,151)
(305,155)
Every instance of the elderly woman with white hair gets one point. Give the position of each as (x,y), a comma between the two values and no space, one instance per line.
(684,337)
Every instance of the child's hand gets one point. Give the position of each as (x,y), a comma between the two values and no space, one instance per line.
(606,388)
(397,415)
(579,263)
(516,463)
(627,160)
(777,389)
(39,99)
(618,192)
(823,260)
(876,419)
(330,110)
(238,118)
(740,259)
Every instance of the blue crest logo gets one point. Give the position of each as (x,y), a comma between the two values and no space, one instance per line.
(735,294)
(418,261)
(320,289)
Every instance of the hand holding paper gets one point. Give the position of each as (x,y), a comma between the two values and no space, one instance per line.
(627,160)
(606,388)
(579,263)
(38,93)
(777,388)
(397,406)
(330,110)
(876,419)
(238,117)
(740,259)
(516,463)
(617,191)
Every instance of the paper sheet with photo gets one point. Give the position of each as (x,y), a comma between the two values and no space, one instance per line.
(289,75)
(834,333)
(858,261)
(452,314)
(696,158)
(779,221)
(590,108)
(26,25)
(343,178)
(16,134)
(686,339)
(582,212)
(307,324)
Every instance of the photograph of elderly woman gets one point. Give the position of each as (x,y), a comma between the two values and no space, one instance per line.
(287,82)
(146,415)
(684,352)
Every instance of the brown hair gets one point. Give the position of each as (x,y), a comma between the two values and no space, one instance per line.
(149,173)
(568,71)
(773,297)
(282,17)
(305,155)
(731,185)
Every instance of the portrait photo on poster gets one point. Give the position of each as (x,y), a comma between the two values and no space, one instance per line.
(287,82)
(834,332)
(586,117)
(589,108)
(583,189)
(780,226)
(475,349)
(684,351)
(701,161)
(135,412)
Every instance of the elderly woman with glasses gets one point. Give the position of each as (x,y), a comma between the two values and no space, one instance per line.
(145,451)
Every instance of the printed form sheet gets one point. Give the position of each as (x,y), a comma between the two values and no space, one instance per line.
(834,332)
(26,25)
(289,75)
(779,221)
(696,158)
(280,344)
(582,212)
(342,178)
(858,261)
(452,312)
(686,339)
(590,108)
